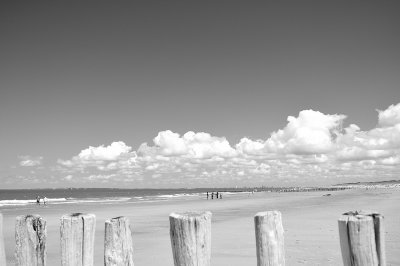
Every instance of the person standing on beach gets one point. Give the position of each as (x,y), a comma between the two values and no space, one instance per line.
(44,200)
(212,195)
(38,200)
(207,194)
(217,194)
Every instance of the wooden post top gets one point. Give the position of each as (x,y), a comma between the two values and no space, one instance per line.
(191,214)
(77,216)
(268,213)
(28,216)
(116,219)
(360,215)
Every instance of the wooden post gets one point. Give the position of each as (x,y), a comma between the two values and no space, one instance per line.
(380,238)
(30,238)
(190,234)
(77,239)
(2,249)
(269,239)
(118,247)
(362,239)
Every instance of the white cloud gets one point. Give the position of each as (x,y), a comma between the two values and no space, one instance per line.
(250,147)
(100,177)
(380,142)
(393,160)
(262,168)
(241,173)
(153,166)
(311,146)
(27,160)
(109,153)
(312,132)
(117,155)
(357,153)
(170,143)
(387,138)
(390,116)
(322,158)
(191,145)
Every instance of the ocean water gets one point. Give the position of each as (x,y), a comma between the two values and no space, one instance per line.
(23,197)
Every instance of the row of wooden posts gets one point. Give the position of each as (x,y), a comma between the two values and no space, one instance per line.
(361,239)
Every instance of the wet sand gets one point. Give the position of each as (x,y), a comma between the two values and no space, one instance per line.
(309,220)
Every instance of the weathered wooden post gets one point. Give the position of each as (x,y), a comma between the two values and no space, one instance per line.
(118,247)
(362,239)
(77,239)
(30,238)
(190,234)
(2,249)
(380,238)
(269,239)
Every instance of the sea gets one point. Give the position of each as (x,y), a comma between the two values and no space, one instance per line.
(23,197)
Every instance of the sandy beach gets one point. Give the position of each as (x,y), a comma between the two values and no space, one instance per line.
(309,220)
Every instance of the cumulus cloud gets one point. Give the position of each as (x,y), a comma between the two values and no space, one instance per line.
(100,177)
(393,160)
(378,143)
(358,153)
(312,132)
(262,168)
(311,145)
(309,133)
(390,116)
(192,145)
(108,153)
(117,155)
(251,147)
(27,160)
(387,138)
(170,143)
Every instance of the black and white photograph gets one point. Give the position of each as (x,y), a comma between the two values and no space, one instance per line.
(183,133)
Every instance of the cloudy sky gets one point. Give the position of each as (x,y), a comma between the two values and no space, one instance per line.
(218,93)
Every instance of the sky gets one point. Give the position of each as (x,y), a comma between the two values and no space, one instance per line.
(164,94)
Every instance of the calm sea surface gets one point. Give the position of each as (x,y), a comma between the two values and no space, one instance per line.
(22,197)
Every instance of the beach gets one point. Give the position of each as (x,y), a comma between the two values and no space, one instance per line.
(309,221)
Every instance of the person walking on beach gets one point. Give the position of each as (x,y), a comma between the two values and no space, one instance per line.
(212,195)
(38,200)
(44,200)
(217,194)
(207,194)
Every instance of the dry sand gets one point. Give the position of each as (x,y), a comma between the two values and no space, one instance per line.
(309,220)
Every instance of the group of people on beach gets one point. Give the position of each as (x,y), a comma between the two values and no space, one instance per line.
(218,195)
(38,199)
